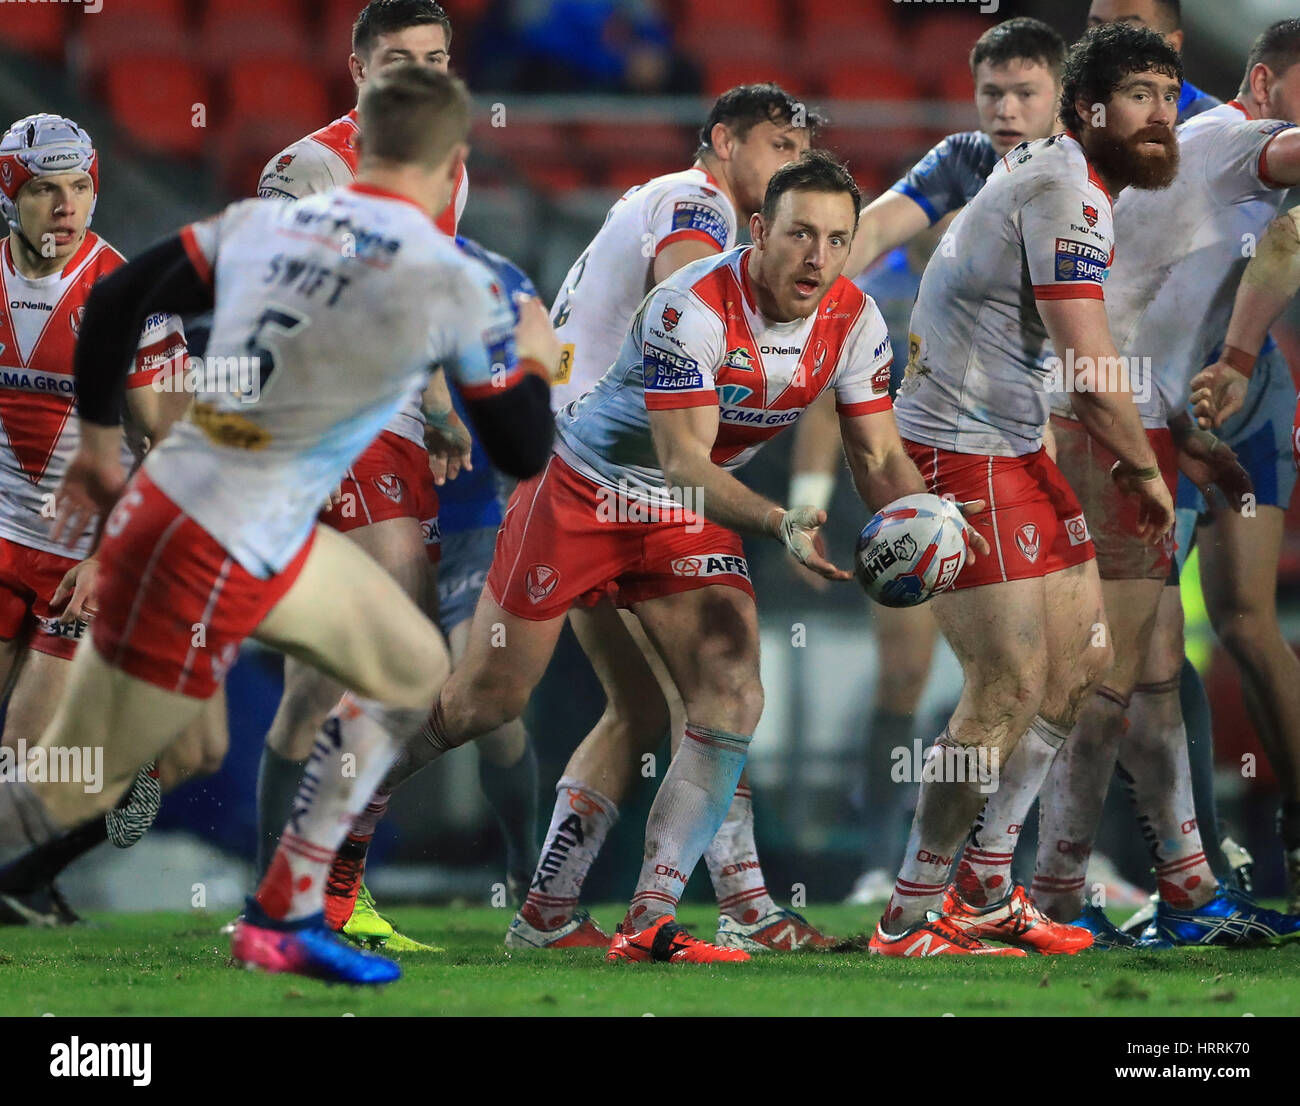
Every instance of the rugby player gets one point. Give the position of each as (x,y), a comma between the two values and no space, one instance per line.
(718,359)
(1016,66)
(345,298)
(49,186)
(973,410)
(1238,391)
(387,503)
(651,232)
(1234,164)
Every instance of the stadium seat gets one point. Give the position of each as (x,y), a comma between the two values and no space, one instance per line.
(226,39)
(846,18)
(622,175)
(290,11)
(291,92)
(243,149)
(956,83)
(708,23)
(722,75)
(642,142)
(946,42)
(871,82)
(36,30)
(96,42)
(558,177)
(152,98)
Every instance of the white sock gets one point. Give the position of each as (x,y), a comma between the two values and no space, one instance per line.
(692,802)
(357,744)
(734,868)
(1071,803)
(984,871)
(579,823)
(1153,763)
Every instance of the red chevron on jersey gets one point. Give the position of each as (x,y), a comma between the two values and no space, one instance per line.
(747,415)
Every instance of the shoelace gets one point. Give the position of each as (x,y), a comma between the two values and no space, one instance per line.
(952,933)
(344,874)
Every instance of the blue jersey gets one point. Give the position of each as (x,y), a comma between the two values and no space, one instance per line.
(473,499)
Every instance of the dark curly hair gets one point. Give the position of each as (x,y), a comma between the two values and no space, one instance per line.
(742,108)
(1100,61)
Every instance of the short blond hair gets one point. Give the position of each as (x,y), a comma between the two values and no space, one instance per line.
(412,115)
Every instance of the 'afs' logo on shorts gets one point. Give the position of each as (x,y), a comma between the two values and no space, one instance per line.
(671,317)
(390,485)
(1027,541)
(1077,530)
(540,581)
(711,564)
(1090,213)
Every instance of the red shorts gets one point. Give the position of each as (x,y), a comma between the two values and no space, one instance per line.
(1112,515)
(559,545)
(173,604)
(390,480)
(1032,522)
(28,579)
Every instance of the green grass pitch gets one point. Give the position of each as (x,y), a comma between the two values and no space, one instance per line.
(177,964)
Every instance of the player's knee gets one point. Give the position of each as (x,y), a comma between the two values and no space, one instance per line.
(729,702)
(1248,634)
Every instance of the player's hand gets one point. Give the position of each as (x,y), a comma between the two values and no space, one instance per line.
(449,444)
(89,488)
(796,529)
(334,498)
(77,590)
(1218,391)
(976,540)
(1155,505)
(807,576)
(535,337)
(1208,462)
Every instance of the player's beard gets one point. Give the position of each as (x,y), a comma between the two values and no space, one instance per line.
(1119,160)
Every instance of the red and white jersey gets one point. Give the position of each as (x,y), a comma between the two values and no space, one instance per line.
(1171,290)
(699,340)
(1041,228)
(39,321)
(609,280)
(327,159)
(346,299)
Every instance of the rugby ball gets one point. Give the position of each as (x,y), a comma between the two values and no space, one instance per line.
(911,550)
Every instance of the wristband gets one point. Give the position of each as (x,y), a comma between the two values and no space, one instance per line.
(811,489)
(1239,359)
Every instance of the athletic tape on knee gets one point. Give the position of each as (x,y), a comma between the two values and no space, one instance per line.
(1162,687)
(1050,732)
(1112,696)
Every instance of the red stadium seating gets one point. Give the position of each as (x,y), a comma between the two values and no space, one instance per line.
(165,11)
(871,82)
(846,19)
(254,11)
(947,42)
(707,24)
(152,100)
(227,38)
(643,142)
(37,30)
(288,91)
(722,75)
(956,83)
(100,41)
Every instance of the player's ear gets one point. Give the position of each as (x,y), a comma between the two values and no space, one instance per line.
(722,141)
(757,230)
(358,70)
(1175,39)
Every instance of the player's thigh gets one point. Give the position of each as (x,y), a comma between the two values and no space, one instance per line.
(505,657)
(352,620)
(131,721)
(42,679)
(639,692)
(905,639)
(1239,559)
(1127,622)
(397,546)
(708,638)
(200,750)
(1166,647)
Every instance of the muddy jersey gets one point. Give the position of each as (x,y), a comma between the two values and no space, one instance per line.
(1182,252)
(698,339)
(345,299)
(39,322)
(607,283)
(328,159)
(1040,228)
